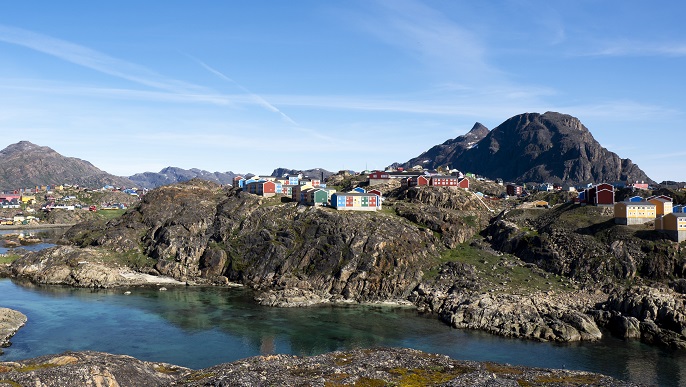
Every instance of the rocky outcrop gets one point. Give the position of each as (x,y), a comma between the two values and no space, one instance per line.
(456,215)
(89,369)
(198,231)
(10,322)
(80,267)
(584,243)
(533,317)
(656,316)
(460,300)
(362,367)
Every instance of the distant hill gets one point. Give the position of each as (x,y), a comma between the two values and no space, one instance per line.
(26,165)
(532,147)
(319,173)
(172,175)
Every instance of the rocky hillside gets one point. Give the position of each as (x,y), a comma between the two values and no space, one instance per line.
(533,147)
(172,175)
(198,230)
(26,165)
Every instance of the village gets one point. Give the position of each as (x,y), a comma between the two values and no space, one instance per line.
(668,218)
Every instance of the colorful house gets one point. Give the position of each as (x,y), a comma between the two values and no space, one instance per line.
(262,188)
(355,201)
(463,182)
(444,181)
(663,206)
(315,197)
(417,181)
(628,212)
(238,181)
(375,192)
(674,225)
(514,190)
(635,199)
(600,195)
(378,177)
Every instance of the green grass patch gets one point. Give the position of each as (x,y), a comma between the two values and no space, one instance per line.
(271,201)
(9,258)
(131,258)
(505,272)
(110,214)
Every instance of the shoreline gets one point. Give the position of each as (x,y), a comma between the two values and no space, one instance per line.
(35,226)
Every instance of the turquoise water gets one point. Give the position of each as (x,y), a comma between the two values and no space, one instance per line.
(199,327)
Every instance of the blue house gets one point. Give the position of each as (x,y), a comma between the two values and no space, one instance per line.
(635,199)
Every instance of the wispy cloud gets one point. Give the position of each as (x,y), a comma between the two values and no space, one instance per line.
(428,34)
(638,48)
(259,100)
(86,57)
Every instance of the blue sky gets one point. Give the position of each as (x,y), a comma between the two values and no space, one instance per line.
(248,86)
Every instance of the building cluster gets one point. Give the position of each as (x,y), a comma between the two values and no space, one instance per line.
(310,192)
(419,178)
(669,219)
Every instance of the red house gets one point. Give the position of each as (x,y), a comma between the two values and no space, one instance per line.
(378,177)
(514,190)
(601,194)
(375,192)
(262,188)
(417,181)
(443,181)
(463,182)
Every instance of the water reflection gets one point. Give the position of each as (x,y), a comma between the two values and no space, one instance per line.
(201,327)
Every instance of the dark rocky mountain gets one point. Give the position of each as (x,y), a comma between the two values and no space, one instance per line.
(319,173)
(443,154)
(26,165)
(550,147)
(172,175)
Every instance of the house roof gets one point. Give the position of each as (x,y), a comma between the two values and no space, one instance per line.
(354,194)
(644,203)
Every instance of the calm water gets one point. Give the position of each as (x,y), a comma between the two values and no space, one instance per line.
(199,327)
(45,234)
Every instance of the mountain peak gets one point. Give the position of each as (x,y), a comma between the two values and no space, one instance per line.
(479,130)
(26,165)
(532,147)
(21,147)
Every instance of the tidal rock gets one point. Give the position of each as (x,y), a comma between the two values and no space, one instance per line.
(531,317)
(10,322)
(660,314)
(80,267)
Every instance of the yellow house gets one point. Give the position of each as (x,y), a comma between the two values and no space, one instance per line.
(662,205)
(674,225)
(26,199)
(635,212)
